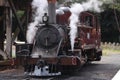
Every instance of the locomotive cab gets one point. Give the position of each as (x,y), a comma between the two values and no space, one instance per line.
(90,35)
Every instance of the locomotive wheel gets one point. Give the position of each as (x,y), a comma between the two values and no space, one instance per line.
(86,58)
(83,57)
(98,58)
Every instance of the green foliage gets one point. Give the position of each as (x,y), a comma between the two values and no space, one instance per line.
(20,13)
(112,4)
(68,2)
(108,22)
(79,1)
(115,6)
(109,26)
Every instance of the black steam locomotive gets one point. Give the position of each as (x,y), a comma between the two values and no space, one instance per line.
(50,54)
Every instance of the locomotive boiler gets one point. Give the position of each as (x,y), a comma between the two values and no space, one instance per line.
(51,53)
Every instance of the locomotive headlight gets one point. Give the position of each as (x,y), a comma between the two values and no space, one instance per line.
(45,18)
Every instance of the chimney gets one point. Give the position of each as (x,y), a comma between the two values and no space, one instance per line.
(51,11)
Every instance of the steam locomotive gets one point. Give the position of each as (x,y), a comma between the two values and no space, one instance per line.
(52,43)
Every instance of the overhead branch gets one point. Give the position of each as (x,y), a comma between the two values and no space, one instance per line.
(116,18)
(18,20)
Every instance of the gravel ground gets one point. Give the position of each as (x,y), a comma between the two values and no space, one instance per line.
(103,70)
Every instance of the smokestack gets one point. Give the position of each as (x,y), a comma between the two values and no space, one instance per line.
(52,11)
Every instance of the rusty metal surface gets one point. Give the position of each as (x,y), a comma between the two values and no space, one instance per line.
(54,60)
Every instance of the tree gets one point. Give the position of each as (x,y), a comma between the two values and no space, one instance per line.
(110,21)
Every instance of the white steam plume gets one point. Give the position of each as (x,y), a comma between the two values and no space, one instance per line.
(76,9)
(93,5)
(40,7)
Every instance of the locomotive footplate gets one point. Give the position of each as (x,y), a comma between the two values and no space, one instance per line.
(40,67)
(64,60)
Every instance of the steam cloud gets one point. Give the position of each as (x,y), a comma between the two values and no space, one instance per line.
(40,7)
(76,9)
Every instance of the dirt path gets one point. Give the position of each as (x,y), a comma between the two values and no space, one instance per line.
(103,70)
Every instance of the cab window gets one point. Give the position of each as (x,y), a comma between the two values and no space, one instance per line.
(88,21)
